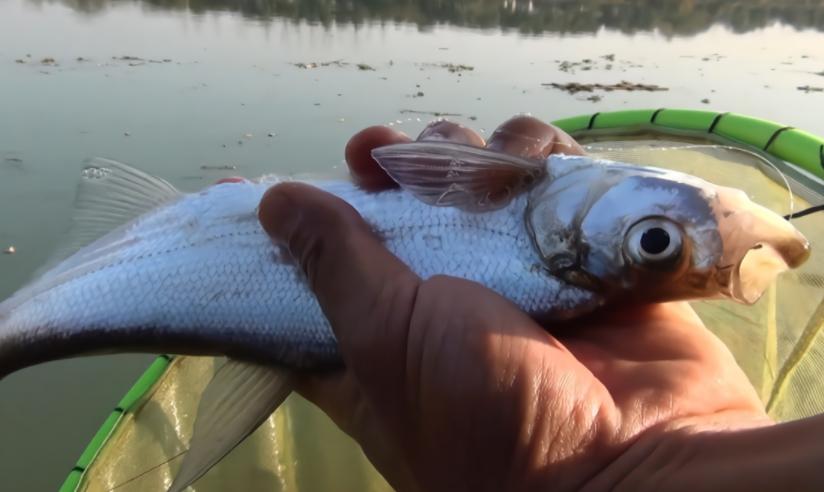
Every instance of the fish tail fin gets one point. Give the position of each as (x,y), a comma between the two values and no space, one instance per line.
(238,399)
(109,195)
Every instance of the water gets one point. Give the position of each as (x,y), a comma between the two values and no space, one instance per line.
(173,87)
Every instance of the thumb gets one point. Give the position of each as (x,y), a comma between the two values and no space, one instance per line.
(366,292)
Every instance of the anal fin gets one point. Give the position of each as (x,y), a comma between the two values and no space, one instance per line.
(238,399)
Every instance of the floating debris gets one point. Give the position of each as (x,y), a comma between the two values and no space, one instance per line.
(705,101)
(10,250)
(15,160)
(458,68)
(604,62)
(332,63)
(127,134)
(19,60)
(594,98)
(473,118)
(364,66)
(225,167)
(452,67)
(570,66)
(271,134)
(81,59)
(575,87)
(48,61)
(809,88)
(430,113)
(248,135)
(127,58)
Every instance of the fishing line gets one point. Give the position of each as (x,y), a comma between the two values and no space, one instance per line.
(806,211)
(144,473)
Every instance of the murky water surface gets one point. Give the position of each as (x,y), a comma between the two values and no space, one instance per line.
(194,91)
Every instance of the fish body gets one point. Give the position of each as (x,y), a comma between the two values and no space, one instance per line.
(197,274)
(201,271)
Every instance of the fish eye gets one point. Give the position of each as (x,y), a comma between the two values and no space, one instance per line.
(654,242)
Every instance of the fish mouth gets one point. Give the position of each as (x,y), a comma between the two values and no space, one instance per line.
(758,245)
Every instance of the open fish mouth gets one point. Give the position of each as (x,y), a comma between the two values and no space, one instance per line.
(758,246)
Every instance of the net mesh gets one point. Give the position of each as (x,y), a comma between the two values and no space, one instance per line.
(778,342)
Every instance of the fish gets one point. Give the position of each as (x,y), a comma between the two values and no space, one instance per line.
(196,274)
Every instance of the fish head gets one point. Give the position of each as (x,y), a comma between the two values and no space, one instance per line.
(653,235)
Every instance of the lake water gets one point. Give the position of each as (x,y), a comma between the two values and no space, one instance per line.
(194,91)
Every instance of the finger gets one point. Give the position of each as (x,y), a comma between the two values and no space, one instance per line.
(231,179)
(526,136)
(358,153)
(448,131)
(365,291)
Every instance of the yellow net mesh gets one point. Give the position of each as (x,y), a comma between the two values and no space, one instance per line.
(297,449)
(778,342)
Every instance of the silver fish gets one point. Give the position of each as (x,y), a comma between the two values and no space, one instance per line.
(196,274)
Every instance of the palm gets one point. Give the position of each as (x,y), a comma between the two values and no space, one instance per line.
(659,363)
(613,376)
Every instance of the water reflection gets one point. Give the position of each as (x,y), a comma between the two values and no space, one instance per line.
(669,17)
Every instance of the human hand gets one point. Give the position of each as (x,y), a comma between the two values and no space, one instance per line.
(448,386)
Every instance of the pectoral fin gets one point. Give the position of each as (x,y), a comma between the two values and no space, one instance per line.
(238,399)
(457,175)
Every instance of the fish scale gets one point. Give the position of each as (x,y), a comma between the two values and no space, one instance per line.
(202,268)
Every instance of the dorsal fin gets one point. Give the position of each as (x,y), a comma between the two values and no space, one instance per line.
(109,195)
(458,175)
